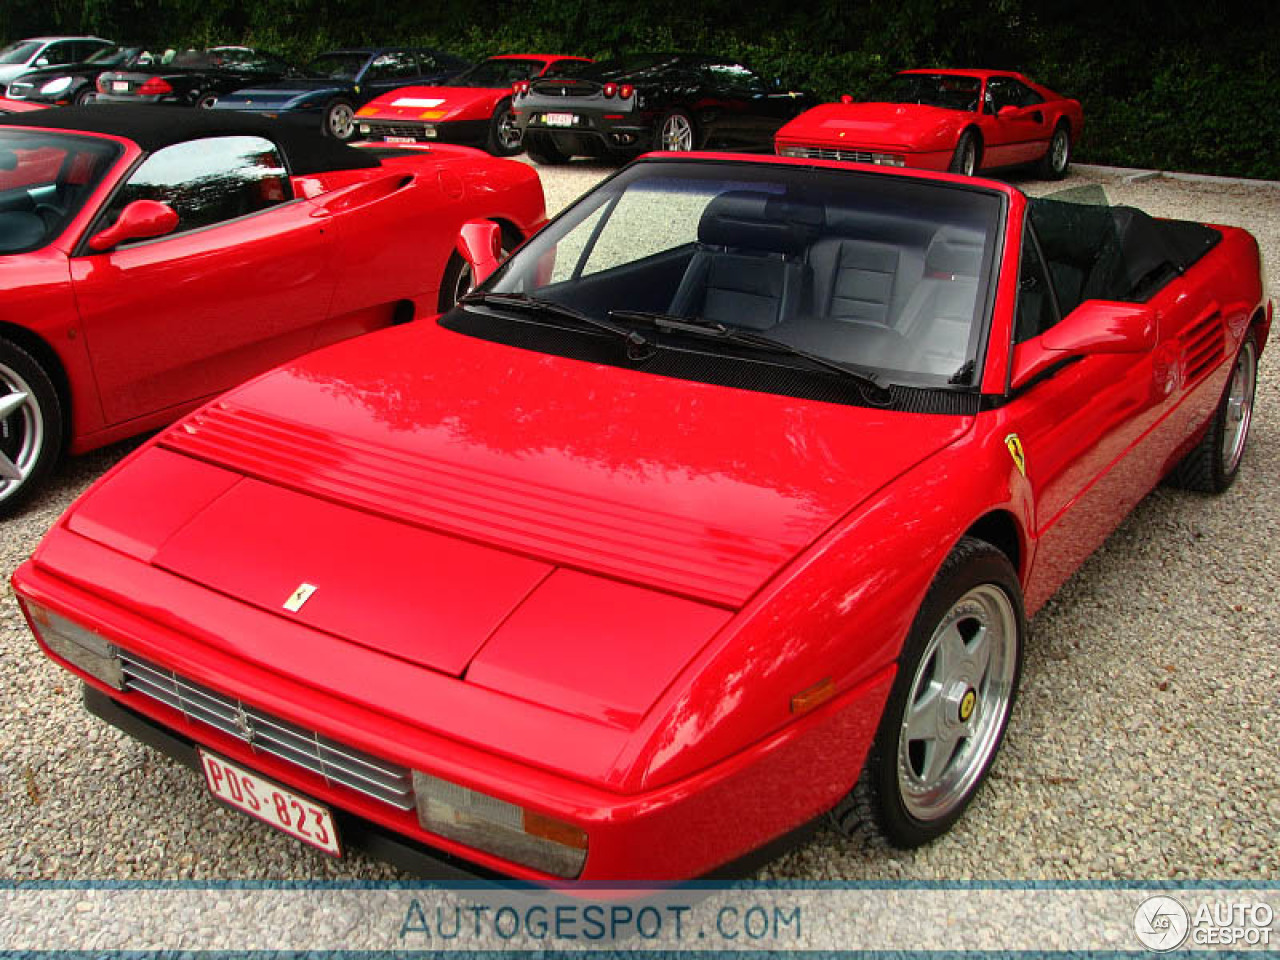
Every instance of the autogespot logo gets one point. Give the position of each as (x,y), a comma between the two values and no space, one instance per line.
(1161,923)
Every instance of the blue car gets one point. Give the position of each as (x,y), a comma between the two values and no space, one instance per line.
(335,84)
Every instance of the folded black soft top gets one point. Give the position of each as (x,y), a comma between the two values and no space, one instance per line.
(155,127)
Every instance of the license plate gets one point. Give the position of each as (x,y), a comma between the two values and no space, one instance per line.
(271,803)
(120,85)
(558,119)
(401,139)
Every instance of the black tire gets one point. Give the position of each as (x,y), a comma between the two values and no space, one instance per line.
(84,96)
(205,101)
(676,132)
(503,139)
(544,150)
(968,154)
(1214,462)
(975,579)
(1057,159)
(30,434)
(340,121)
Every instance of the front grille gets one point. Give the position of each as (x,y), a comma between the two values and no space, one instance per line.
(334,761)
(385,129)
(827,153)
(20,91)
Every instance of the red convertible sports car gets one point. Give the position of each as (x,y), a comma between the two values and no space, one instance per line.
(720,506)
(958,120)
(473,108)
(152,259)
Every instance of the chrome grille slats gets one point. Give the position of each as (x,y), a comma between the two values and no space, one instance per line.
(388,129)
(827,153)
(336,762)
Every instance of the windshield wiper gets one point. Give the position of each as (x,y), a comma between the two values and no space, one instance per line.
(638,347)
(876,393)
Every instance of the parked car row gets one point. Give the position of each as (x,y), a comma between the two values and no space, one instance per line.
(557,107)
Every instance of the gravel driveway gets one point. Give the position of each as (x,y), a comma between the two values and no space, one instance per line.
(1144,745)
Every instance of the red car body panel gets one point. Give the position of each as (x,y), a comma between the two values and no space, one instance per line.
(657,597)
(219,305)
(20,106)
(926,136)
(444,105)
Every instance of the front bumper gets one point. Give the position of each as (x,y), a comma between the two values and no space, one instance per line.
(470,133)
(701,825)
(135,98)
(877,154)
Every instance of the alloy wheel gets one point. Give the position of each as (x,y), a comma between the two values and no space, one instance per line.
(21,431)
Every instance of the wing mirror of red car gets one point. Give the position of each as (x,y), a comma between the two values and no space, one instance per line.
(846,98)
(1007,111)
(140,220)
(1095,327)
(480,243)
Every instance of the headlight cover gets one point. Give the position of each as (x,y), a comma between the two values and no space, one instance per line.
(56,86)
(495,826)
(77,644)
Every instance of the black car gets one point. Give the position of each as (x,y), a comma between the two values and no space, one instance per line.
(75,84)
(335,84)
(191,78)
(653,101)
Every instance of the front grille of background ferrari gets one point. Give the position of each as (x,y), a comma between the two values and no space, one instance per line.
(384,129)
(334,761)
(823,153)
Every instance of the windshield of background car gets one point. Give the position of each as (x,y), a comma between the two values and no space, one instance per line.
(497,73)
(880,273)
(110,56)
(19,52)
(45,179)
(337,66)
(932,90)
(615,69)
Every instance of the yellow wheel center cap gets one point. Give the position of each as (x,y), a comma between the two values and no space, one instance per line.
(967,703)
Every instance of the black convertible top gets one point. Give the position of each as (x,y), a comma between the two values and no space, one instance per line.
(155,127)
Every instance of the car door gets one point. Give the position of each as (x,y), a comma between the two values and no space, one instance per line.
(1077,428)
(240,286)
(1019,123)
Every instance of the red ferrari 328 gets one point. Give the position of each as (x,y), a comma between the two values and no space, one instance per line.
(720,506)
(963,121)
(152,259)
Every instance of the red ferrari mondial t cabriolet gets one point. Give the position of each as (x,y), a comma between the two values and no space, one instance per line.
(151,259)
(958,120)
(720,506)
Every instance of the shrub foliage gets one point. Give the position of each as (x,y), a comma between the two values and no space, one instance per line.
(1169,84)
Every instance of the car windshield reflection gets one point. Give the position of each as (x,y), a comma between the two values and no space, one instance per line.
(886,275)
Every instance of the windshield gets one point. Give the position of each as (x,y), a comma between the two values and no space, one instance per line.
(497,73)
(19,52)
(884,274)
(45,179)
(337,66)
(615,69)
(109,56)
(931,90)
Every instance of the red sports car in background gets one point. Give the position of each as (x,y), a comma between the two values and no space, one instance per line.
(720,506)
(963,121)
(473,108)
(151,259)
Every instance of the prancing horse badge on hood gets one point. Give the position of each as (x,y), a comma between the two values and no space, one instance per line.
(299,597)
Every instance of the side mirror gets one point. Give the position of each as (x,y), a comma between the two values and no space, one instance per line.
(1093,328)
(1007,111)
(846,98)
(140,220)
(42,61)
(480,243)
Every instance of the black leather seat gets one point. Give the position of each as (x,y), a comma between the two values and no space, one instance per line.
(748,270)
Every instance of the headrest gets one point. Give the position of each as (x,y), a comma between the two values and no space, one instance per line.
(955,252)
(754,221)
(20,230)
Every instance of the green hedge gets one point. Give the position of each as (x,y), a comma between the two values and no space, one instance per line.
(1171,85)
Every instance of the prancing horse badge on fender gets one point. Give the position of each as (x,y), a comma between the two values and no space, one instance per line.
(1014,443)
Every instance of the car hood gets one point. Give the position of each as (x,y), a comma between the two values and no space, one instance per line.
(434,103)
(906,125)
(441,492)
